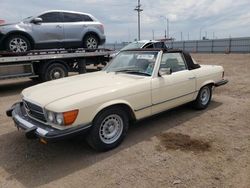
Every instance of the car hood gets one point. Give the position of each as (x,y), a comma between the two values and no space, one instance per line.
(8,24)
(46,93)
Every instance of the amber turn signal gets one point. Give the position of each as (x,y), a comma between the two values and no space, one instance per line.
(70,117)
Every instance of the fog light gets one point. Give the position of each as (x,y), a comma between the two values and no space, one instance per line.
(43,141)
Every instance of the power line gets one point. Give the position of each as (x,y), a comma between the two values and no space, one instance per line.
(139,10)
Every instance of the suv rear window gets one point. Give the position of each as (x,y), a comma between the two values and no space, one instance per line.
(71,17)
(51,17)
(159,45)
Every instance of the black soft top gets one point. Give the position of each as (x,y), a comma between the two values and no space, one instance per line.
(189,61)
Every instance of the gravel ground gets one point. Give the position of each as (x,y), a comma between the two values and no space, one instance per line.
(178,148)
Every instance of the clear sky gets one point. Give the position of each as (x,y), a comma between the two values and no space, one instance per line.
(221,18)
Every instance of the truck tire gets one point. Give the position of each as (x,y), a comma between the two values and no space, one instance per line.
(204,97)
(54,71)
(90,41)
(17,43)
(109,129)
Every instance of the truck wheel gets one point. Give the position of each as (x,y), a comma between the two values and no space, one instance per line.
(90,42)
(204,97)
(109,129)
(18,43)
(54,71)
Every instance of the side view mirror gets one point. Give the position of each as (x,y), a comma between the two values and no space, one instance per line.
(37,20)
(165,71)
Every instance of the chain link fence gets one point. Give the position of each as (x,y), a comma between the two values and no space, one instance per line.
(230,45)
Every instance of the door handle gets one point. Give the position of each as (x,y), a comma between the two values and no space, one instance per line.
(191,78)
(58,26)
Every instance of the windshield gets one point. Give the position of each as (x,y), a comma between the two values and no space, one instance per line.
(27,19)
(133,62)
(133,45)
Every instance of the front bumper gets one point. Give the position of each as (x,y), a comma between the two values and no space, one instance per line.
(35,129)
(221,83)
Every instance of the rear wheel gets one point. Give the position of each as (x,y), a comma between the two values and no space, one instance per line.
(204,97)
(18,43)
(109,129)
(90,42)
(54,71)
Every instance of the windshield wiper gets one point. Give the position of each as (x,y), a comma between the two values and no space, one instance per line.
(132,71)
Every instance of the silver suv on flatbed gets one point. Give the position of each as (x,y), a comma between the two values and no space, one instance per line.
(53,29)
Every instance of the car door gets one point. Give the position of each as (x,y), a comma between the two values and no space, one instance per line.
(49,33)
(75,25)
(172,89)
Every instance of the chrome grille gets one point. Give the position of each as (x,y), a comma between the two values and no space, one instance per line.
(34,111)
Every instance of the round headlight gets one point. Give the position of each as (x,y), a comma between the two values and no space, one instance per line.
(59,119)
(50,116)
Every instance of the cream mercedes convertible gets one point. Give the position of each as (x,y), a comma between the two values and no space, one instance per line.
(136,84)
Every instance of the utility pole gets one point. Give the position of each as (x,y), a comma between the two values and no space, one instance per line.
(181,35)
(200,34)
(168,27)
(153,32)
(139,10)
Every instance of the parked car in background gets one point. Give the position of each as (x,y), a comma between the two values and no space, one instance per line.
(142,44)
(53,29)
(135,85)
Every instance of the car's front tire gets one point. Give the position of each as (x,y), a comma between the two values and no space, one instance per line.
(204,97)
(109,129)
(90,41)
(17,43)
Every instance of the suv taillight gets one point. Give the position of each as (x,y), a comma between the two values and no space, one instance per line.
(102,28)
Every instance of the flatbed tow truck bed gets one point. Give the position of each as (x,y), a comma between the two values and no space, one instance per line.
(45,65)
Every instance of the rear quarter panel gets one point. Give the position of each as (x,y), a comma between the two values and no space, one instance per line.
(207,74)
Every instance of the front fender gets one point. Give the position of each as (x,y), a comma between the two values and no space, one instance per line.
(112,103)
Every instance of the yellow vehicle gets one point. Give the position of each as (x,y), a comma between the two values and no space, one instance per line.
(136,84)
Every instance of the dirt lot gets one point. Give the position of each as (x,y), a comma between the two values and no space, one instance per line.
(178,148)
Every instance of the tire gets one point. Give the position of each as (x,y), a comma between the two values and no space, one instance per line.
(90,42)
(204,97)
(109,129)
(54,71)
(17,43)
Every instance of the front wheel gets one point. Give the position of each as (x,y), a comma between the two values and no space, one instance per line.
(109,129)
(204,97)
(18,43)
